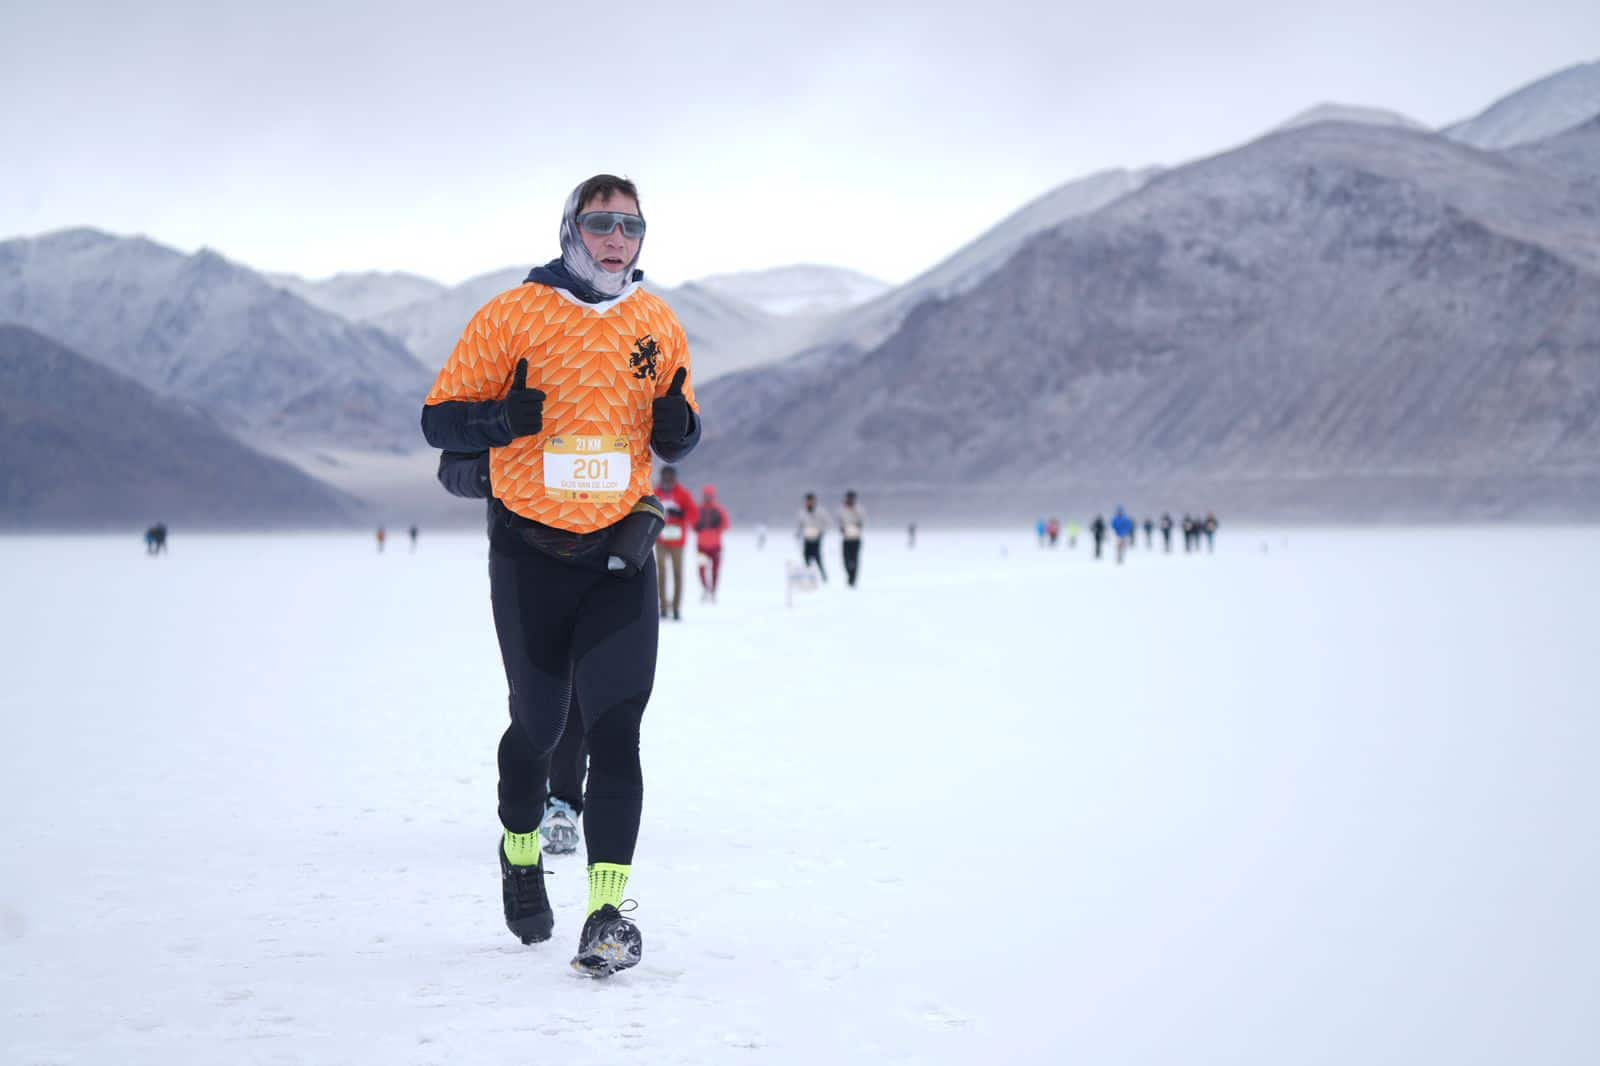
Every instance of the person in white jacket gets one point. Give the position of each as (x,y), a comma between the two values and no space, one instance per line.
(811,522)
(852,519)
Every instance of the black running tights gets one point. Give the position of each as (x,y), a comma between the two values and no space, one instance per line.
(564,628)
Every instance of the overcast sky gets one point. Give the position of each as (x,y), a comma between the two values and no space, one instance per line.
(442,138)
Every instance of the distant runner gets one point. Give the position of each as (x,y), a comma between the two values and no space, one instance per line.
(1123,526)
(155,539)
(810,523)
(712,524)
(681,517)
(852,520)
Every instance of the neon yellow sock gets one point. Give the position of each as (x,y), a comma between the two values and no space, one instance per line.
(522,849)
(607,882)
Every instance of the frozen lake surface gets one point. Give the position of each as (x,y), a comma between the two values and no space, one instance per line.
(1322,797)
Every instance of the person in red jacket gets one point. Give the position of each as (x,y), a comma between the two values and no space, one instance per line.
(708,538)
(682,515)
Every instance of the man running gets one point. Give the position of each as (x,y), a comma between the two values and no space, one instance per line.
(1097,529)
(681,516)
(550,404)
(810,523)
(713,523)
(1166,531)
(852,519)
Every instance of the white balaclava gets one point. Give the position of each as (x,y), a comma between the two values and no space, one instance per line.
(580,264)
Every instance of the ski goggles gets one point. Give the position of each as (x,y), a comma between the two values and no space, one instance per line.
(601,223)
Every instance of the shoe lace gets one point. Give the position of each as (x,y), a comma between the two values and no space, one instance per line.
(620,910)
(528,885)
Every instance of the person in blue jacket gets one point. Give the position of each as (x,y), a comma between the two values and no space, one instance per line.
(1123,527)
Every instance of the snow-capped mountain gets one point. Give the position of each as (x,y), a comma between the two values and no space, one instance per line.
(1370,116)
(797,290)
(1335,320)
(430,327)
(362,296)
(82,446)
(219,336)
(1574,155)
(1548,106)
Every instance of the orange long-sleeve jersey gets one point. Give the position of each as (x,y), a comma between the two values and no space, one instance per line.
(600,366)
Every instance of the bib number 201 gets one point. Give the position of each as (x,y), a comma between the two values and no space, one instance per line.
(594,469)
(591,469)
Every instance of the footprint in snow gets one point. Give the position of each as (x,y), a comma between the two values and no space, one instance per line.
(936,1014)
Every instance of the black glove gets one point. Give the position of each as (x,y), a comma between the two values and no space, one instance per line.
(672,419)
(524,407)
(465,474)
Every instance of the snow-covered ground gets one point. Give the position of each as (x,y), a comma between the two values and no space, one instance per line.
(1323,797)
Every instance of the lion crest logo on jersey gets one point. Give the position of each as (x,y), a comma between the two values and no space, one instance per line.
(643,357)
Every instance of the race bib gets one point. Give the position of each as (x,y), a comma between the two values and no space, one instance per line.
(671,534)
(596,469)
(852,532)
(812,532)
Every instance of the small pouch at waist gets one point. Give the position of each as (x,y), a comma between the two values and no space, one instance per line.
(634,538)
